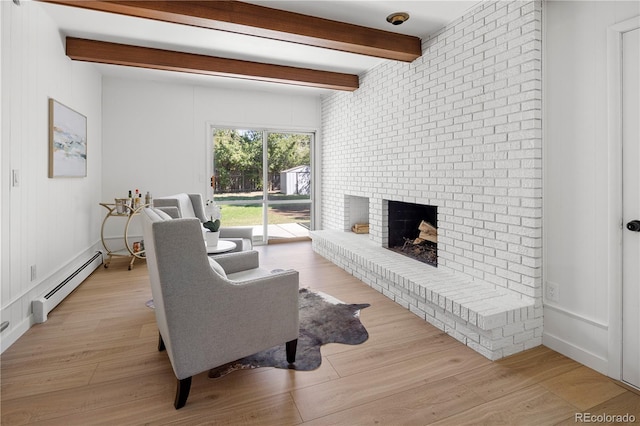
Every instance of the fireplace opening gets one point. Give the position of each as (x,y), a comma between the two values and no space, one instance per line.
(413,231)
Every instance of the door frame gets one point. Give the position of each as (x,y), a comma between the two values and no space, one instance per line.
(265,162)
(615,220)
(315,163)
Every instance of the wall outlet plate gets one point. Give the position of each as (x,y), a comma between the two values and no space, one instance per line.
(552,292)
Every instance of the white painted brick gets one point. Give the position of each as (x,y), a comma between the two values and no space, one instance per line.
(467,138)
(427,308)
(455,334)
(511,329)
(488,353)
(533,324)
(492,321)
(468,332)
(436,323)
(523,337)
(537,341)
(494,344)
(419,312)
(513,349)
(473,317)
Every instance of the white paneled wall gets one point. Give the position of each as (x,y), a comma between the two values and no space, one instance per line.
(156,133)
(583,319)
(47,224)
(459,128)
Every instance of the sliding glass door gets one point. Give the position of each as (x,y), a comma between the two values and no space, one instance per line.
(263,179)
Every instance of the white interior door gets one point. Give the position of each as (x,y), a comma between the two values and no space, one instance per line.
(631,207)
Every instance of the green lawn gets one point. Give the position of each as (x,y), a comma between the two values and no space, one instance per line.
(248,196)
(251,214)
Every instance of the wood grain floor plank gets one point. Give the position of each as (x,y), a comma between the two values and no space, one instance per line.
(417,406)
(533,405)
(252,385)
(583,387)
(274,410)
(357,389)
(151,362)
(37,383)
(370,357)
(84,399)
(622,409)
(95,362)
(514,373)
(151,410)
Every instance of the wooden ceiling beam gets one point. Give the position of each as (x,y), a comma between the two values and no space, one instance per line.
(167,60)
(259,21)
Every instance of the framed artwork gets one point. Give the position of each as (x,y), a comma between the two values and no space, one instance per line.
(67,141)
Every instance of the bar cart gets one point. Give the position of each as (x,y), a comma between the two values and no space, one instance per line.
(122,209)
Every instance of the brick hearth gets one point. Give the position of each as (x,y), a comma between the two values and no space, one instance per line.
(491,320)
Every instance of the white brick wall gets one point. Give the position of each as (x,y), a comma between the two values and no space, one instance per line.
(459,128)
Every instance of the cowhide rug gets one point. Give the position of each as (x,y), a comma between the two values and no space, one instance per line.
(323,319)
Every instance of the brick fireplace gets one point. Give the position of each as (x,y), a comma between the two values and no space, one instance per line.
(412,231)
(459,129)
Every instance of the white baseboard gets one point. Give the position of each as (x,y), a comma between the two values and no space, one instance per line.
(18,311)
(577,336)
(576,353)
(47,302)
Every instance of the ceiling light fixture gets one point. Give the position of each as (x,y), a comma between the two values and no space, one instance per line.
(397,18)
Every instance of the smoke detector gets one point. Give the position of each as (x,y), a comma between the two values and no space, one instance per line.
(397,18)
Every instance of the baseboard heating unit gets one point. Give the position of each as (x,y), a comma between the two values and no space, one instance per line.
(45,304)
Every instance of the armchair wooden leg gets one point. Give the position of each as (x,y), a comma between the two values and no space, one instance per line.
(182,392)
(161,346)
(292,346)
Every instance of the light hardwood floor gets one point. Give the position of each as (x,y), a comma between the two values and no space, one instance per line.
(95,361)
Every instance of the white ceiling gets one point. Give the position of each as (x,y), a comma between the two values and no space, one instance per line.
(426,18)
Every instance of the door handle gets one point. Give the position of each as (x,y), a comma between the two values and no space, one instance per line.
(634,226)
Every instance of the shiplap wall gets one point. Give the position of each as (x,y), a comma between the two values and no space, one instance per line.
(579,230)
(49,223)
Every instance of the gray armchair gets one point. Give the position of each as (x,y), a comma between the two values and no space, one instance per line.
(211,312)
(191,205)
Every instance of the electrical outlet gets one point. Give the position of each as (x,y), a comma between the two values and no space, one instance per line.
(552,292)
(34,275)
